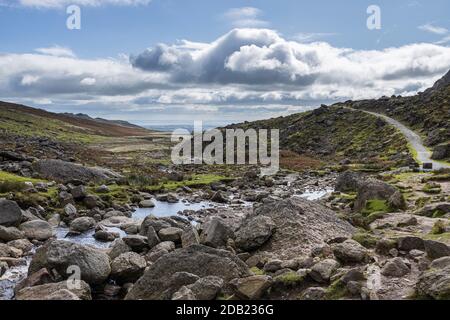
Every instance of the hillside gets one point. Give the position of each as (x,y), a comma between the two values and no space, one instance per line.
(27,121)
(428,113)
(342,132)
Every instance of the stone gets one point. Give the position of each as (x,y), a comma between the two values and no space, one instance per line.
(22,244)
(10,233)
(219,197)
(410,243)
(43,292)
(10,213)
(215,233)
(200,260)
(152,237)
(253,287)
(55,220)
(395,268)
(206,288)
(313,294)
(127,268)
(170,234)
(435,282)
(254,232)
(118,247)
(94,264)
(136,242)
(436,250)
(92,201)
(37,230)
(184,294)
(82,224)
(70,210)
(321,272)
(189,237)
(65,198)
(102,189)
(9,252)
(38,278)
(348,182)
(350,251)
(147,204)
(273,265)
(105,236)
(374,189)
(79,192)
(62,295)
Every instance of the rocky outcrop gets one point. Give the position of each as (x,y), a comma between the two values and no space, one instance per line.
(65,172)
(160,280)
(301,225)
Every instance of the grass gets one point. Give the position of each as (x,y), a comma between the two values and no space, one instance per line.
(432,188)
(413,153)
(257,271)
(443,237)
(375,205)
(28,125)
(438,228)
(337,290)
(195,182)
(365,239)
(289,279)
(6,176)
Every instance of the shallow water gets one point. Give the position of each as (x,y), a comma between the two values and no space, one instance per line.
(164,209)
(315,195)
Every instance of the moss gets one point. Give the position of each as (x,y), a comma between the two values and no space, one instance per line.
(443,237)
(439,227)
(432,188)
(289,279)
(375,205)
(337,290)
(414,153)
(196,181)
(257,271)
(10,177)
(365,239)
(422,201)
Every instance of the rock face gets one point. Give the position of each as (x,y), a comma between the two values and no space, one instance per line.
(301,225)
(158,283)
(94,264)
(64,172)
(37,230)
(47,291)
(435,282)
(254,232)
(10,213)
(375,189)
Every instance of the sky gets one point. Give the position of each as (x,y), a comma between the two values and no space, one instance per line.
(164,61)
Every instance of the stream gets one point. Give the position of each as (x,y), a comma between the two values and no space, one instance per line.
(162,209)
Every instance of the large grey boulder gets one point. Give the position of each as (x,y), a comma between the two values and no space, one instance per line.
(435,282)
(94,264)
(254,232)
(82,224)
(253,287)
(301,226)
(350,251)
(202,261)
(216,233)
(10,233)
(373,189)
(47,291)
(65,172)
(348,181)
(127,268)
(10,213)
(37,230)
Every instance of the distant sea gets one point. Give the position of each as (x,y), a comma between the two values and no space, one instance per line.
(171,126)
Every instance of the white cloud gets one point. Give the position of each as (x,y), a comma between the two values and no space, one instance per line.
(245,17)
(433,29)
(94,3)
(56,51)
(253,71)
(312,36)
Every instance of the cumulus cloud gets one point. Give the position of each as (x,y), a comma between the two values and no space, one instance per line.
(92,3)
(245,17)
(256,70)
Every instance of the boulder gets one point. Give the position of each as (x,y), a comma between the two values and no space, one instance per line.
(215,233)
(10,213)
(206,288)
(301,225)
(62,295)
(65,172)
(117,248)
(93,263)
(200,260)
(435,282)
(372,189)
(10,233)
(350,251)
(436,250)
(9,252)
(170,234)
(322,271)
(313,294)
(251,288)
(395,268)
(136,242)
(70,210)
(22,244)
(43,292)
(348,181)
(127,268)
(189,237)
(254,232)
(37,230)
(152,237)
(147,204)
(431,209)
(82,224)
(79,192)
(184,294)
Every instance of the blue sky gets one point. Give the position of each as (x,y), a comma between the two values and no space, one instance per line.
(279,62)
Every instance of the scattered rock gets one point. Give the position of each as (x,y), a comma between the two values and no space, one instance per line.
(321,272)
(43,292)
(254,232)
(128,267)
(10,233)
(215,233)
(82,224)
(170,234)
(10,213)
(350,251)
(395,268)
(37,230)
(253,287)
